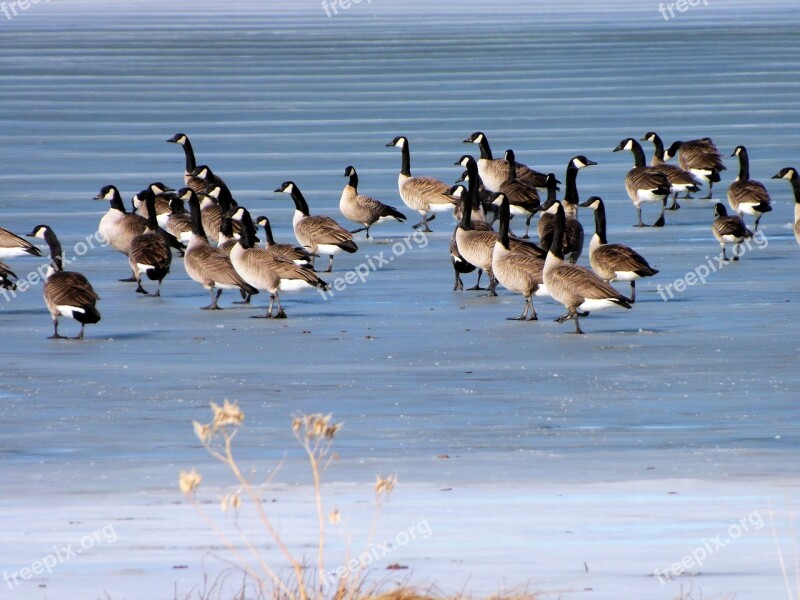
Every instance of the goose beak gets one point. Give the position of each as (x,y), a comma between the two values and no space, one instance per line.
(589,163)
(389,145)
(586,203)
(467,141)
(776,176)
(618,148)
(278,191)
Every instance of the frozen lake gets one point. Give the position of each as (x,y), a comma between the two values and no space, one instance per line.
(578,465)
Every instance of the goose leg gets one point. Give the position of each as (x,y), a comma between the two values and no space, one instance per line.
(281,314)
(55,335)
(130,279)
(639,216)
(724,257)
(736,251)
(578,329)
(675,205)
(424,223)
(524,312)
(710,188)
(527,227)
(758,220)
(633,291)
(158,290)
(330,264)
(459,285)
(140,289)
(492,286)
(214,299)
(360,229)
(477,285)
(80,334)
(534,316)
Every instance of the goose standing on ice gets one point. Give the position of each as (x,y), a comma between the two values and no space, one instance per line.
(745,195)
(66,293)
(362,209)
(478,222)
(518,271)
(643,183)
(318,234)
(189,178)
(265,270)
(577,288)
(205,264)
(729,228)
(614,262)
(422,194)
(523,200)
(149,254)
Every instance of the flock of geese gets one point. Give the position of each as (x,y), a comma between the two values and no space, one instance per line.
(218,238)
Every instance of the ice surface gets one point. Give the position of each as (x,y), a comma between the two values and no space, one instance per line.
(625,449)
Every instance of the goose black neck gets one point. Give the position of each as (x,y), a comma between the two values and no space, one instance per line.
(638,155)
(571,185)
(512,166)
(486,150)
(197,219)
(299,200)
(405,167)
(246,237)
(191,165)
(600,223)
(505,217)
(795,181)
(556,244)
(56,253)
(116,202)
(744,165)
(268,233)
(150,202)
(551,188)
(659,147)
(353,181)
(471,198)
(226,227)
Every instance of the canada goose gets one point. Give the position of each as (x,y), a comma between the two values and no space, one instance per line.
(522,199)
(729,228)
(197,184)
(422,194)
(680,180)
(793,177)
(227,241)
(119,228)
(66,293)
(701,158)
(362,209)
(318,234)
(577,288)
(7,277)
(643,183)
(204,173)
(494,172)
(472,244)
(518,271)
(479,223)
(12,245)
(745,195)
(614,262)
(573,240)
(215,203)
(163,196)
(206,265)
(149,254)
(265,270)
(299,256)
